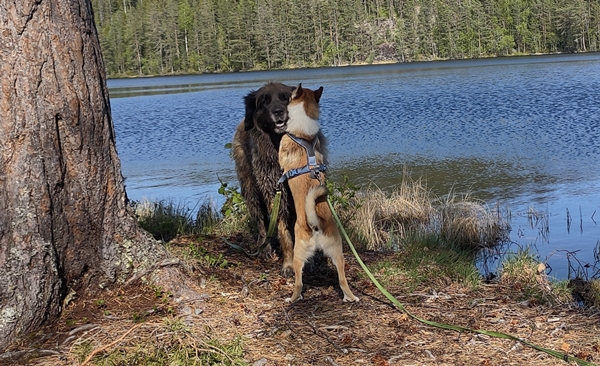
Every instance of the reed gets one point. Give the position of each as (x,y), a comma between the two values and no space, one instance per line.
(539,220)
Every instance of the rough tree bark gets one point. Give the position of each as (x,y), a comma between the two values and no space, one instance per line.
(64,221)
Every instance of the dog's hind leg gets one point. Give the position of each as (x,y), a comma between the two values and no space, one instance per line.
(334,251)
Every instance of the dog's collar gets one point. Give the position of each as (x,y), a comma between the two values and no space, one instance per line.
(313,167)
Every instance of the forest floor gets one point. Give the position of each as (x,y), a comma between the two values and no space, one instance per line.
(243,299)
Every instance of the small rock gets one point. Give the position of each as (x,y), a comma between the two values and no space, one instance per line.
(286,334)
(261,362)
(428,352)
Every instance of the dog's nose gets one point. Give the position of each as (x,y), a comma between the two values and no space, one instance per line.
(279,111)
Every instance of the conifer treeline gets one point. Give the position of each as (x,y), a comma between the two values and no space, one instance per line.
(149,37)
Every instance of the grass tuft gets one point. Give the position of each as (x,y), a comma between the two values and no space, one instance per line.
(235,215)
(424,261)
(166,220)
(470,224)
(526,275)
(594,292)
(382,220)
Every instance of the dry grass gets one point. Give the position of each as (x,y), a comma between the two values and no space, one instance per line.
(470,224)
(594,290)
(232,224)
(382,220)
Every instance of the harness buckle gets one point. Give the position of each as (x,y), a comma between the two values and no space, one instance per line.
(314,172)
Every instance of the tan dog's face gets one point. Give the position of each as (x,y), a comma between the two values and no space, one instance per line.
(304,111)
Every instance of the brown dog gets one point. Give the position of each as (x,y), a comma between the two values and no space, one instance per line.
(314,228)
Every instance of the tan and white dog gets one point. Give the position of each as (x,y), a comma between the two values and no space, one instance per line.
(315,228)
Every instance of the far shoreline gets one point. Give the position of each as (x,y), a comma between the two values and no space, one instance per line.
(374,63)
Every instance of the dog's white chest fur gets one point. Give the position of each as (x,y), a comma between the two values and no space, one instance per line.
(299,122)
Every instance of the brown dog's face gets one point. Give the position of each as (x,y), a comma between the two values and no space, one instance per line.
(266,108)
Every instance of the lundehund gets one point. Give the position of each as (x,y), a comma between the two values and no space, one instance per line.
(314,228)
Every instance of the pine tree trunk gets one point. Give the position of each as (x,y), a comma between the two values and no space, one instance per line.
(64,220)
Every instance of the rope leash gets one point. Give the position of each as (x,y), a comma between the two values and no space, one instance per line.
(559,355)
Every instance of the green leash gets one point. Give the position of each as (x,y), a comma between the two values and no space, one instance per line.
(270,231)
(562,356)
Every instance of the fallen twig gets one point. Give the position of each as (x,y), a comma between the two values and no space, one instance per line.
(164,263)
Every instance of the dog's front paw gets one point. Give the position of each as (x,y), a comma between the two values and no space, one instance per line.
(290,300)
(351,299)
(287,271)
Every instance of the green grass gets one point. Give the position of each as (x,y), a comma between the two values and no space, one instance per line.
(196,252)
(166,220)
(425,261)
(527,276)
(174,354)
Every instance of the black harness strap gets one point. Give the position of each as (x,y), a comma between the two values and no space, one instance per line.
(312,167)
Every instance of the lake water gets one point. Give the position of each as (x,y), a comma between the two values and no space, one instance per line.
(522,132)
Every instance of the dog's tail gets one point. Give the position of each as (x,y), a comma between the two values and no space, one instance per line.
(311,202)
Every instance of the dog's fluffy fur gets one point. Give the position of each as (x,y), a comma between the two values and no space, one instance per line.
(314,228)
(255,148)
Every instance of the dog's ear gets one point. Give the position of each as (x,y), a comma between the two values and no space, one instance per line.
(318,94)
(297,92)
(250,102)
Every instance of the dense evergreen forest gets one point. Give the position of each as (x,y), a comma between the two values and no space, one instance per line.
(150,37)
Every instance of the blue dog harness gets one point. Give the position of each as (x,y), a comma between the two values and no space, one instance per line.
(312,167)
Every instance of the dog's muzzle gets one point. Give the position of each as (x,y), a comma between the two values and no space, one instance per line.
(281,123)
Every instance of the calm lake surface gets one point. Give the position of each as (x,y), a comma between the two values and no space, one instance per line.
(522,132)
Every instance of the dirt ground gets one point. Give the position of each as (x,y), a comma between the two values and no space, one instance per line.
(247,299)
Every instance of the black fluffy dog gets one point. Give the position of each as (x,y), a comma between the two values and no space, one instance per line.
(255,152)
